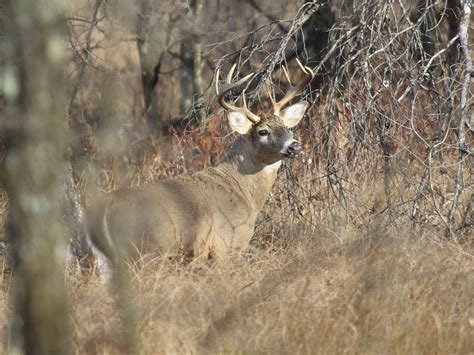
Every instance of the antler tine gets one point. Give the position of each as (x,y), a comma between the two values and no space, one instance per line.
(304,69)
(287,75)
(270,95)
(253,117)
(228,86)
(216,82)
(293,90)
(231,73)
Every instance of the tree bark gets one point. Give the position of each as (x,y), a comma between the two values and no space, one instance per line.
(149,66)
(191,83)
(32,172)
(463,149)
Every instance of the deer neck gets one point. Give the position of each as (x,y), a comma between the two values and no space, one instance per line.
(252,178)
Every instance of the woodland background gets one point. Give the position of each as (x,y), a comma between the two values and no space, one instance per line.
(365,245)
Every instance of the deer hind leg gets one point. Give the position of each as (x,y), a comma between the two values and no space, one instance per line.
(104,265)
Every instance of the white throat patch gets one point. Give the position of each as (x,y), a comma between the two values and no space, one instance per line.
(272,167)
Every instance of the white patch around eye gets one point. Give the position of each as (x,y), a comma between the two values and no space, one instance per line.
(263,139)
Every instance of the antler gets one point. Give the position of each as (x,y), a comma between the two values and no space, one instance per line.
(228,86)
(294,90)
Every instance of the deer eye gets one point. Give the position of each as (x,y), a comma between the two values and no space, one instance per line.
(263,132)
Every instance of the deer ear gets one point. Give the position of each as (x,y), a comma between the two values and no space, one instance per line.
(293,114)
(239,122)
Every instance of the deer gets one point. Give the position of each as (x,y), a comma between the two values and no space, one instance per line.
(210,213)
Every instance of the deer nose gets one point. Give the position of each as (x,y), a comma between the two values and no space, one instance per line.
(294,148)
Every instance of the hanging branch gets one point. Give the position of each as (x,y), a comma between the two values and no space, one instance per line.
(87,52)
(278,56)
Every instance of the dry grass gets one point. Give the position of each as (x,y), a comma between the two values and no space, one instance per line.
(313,282)
(366,292)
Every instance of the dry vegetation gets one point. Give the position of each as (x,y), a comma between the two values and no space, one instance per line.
(373,291)
(358,250)
(323,287)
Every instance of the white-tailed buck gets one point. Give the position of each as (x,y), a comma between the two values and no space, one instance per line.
(208,213)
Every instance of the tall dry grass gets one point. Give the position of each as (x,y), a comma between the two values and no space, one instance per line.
(314,280)
(371,291)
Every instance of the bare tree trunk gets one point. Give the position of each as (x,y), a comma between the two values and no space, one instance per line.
(463,149)
(33,173)
(191,56)
(74,215)
(149,66)
(185,75)
(73,204)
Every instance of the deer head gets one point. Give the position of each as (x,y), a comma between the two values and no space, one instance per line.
(269,133)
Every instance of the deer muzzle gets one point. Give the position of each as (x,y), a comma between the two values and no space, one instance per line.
(291,149)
